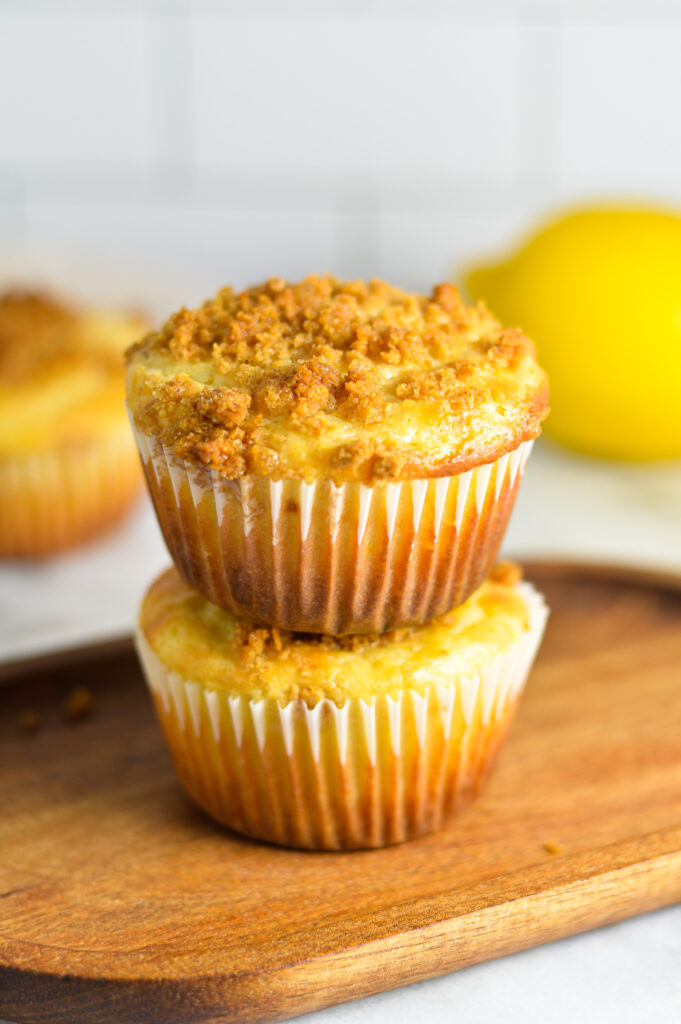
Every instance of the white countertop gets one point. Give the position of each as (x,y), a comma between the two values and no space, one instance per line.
(629,973)
(84,596)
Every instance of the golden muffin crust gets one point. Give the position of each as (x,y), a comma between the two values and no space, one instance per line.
(205,644)
(345,380)
(61,371)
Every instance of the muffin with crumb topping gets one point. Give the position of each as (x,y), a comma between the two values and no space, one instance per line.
(337,742)
(335,457)
(68,466)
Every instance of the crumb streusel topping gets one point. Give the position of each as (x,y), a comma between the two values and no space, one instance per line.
(347,380)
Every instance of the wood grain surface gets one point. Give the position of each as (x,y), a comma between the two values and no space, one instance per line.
(119,901)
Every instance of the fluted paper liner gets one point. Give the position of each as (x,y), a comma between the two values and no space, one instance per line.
(321,558)
(366,774)
(52,500)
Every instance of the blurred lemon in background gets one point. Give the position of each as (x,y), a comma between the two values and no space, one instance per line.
(599,291)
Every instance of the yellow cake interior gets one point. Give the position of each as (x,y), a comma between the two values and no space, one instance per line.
(205,644)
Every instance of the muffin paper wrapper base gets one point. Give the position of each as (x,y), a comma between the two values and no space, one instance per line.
(52,500)
(367,774)
(321,558)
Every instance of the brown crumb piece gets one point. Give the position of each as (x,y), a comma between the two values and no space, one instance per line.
(256,643)
(553,848)
(30,722)
(79,704)
(507,573)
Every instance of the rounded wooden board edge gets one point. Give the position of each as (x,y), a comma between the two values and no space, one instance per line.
(434,941)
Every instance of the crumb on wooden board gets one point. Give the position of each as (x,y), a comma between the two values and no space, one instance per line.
(79,704)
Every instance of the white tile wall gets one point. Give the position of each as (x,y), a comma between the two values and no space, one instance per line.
(620,117)
(209,245)
(197,141)
(416,249)
(351,96)
(74,88)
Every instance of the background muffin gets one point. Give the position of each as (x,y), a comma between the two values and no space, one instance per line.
(68,468)
(337,743)
(335,457)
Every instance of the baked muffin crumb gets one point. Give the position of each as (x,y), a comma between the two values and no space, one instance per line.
(79,705)
(30,722)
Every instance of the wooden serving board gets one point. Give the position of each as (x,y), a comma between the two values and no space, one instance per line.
(121,902)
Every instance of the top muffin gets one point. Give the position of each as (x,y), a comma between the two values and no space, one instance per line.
(334,379)
(61,371)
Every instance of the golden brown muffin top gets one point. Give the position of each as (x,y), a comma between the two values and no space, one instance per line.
(38,331)
(347,380)
(61,370)
(29,324)
(205,644)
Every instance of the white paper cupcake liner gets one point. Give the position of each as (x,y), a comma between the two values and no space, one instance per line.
(366,774)
(52,500)
(321,558)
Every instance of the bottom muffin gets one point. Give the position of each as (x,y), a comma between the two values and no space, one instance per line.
(337,743)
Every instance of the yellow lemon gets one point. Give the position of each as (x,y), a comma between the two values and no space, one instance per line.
(599,290)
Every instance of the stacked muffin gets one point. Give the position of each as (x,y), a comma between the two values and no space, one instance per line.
(334,660)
